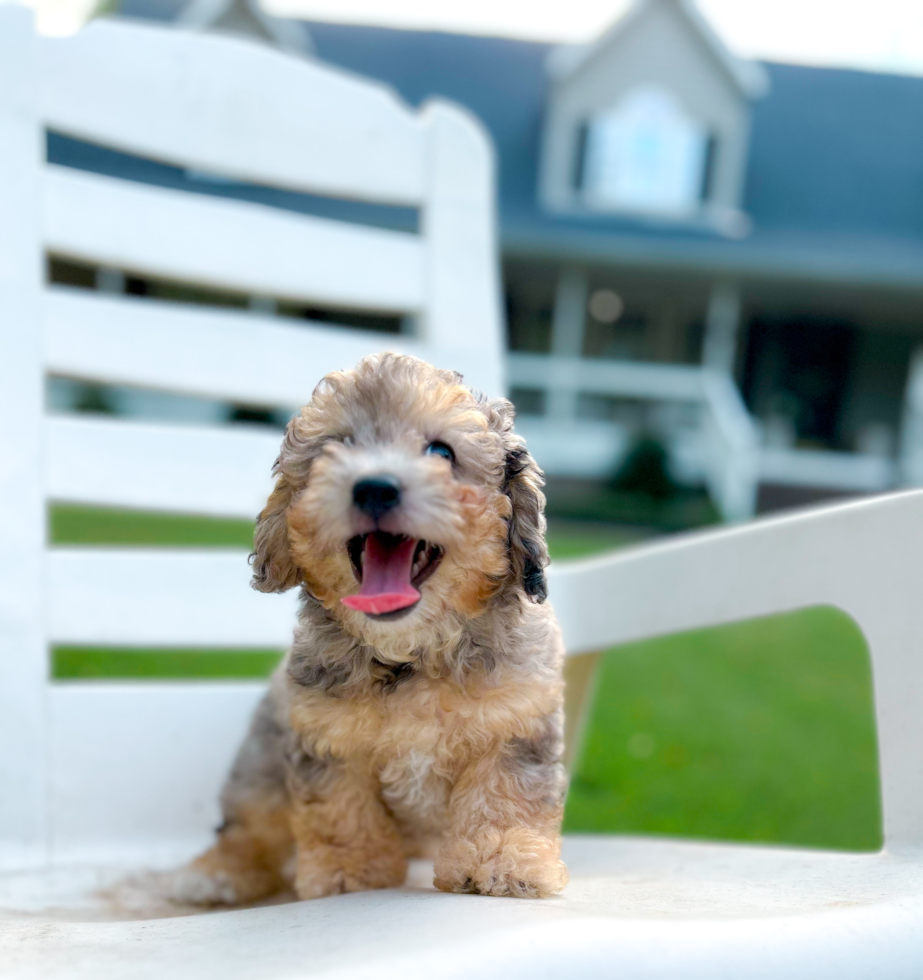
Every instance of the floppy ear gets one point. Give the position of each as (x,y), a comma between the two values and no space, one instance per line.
(522,483)
(271,558)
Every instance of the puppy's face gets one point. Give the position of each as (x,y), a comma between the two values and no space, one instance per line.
(396,498)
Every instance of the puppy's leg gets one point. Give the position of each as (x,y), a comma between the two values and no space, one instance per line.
(248,861)
(346,840)
(506,820)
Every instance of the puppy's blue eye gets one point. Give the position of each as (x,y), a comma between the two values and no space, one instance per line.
(440,449)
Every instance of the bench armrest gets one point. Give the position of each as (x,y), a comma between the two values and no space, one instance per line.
(863,558)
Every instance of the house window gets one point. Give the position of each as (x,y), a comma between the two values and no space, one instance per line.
(646,154)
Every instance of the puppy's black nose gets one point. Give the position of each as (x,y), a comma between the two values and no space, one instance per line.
(376,495)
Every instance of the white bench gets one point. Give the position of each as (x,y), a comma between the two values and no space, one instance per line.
(97,777)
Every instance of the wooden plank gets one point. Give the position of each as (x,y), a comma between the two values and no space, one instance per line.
(138,767)
(232,107)
(212,471)
(161,596)
(233,245)
(223,354)
(23,666)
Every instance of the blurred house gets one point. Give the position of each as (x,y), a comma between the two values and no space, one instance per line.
(726,254)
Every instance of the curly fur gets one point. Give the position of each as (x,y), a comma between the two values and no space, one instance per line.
(377,737)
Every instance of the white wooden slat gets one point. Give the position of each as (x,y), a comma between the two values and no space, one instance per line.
(138,767)
(23,667)
(246,111)
(222,354)
(222,472)
(232,245)
(161,596)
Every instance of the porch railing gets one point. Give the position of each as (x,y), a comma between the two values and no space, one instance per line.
(727,436)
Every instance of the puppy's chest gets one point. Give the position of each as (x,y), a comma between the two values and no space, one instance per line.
(416,790)
(422,720)
(420,749)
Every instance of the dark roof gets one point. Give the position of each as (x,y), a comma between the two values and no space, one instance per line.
(835,178)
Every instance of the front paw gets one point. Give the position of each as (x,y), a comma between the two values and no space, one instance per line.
(518,863)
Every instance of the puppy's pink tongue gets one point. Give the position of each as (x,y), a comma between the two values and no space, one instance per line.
(386,565)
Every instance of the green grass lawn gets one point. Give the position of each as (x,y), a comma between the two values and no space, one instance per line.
(758,731)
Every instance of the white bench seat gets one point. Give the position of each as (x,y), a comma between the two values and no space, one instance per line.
(635,908)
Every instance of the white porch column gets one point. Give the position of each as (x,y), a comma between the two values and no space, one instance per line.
(23,651)
(568,326)
(722,322)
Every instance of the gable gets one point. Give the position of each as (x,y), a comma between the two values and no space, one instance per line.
(656,49)
(656,44)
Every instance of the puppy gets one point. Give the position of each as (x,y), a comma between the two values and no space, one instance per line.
(422,697)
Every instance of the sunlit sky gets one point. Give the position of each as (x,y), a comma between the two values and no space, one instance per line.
(885,35)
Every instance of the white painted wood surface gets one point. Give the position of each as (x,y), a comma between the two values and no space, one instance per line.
(162,597)
(636,909)
(139,767)
(232,245)
(220,104)
(861,558)
(179,469)
(463,295)
(229,355)
(23,662)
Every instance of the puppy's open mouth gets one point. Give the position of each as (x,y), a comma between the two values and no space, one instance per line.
(389,568)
